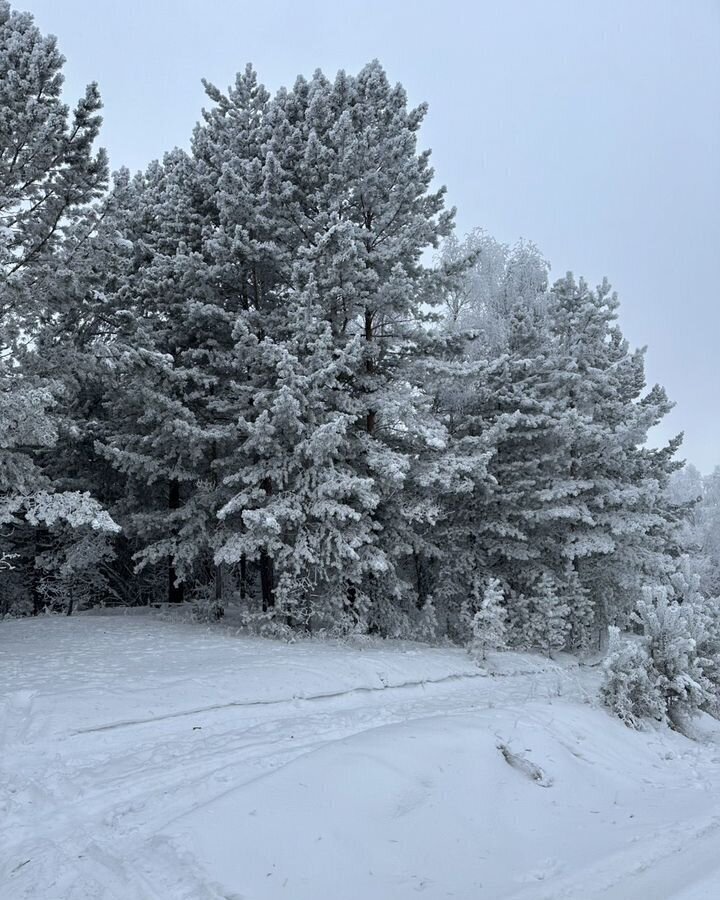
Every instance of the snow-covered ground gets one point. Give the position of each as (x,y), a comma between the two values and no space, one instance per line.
(147,760)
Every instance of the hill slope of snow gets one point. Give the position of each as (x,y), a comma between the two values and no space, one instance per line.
(146,760)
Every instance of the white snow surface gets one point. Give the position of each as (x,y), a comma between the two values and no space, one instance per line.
(145,759)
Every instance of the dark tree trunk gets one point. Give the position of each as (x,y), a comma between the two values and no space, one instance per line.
(420,580)
(37,600)
(267,573)
(219,608)
(369,369)
(176,593)
(351,601)
(243,577)
(351,596)
(267,581)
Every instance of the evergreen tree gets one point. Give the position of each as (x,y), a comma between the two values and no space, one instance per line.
(48,175)
(698,498)
(511,410)
(489,624)
(547,622)
(299,509)
(708,533)
(620,529)
(163,424)
(344,204)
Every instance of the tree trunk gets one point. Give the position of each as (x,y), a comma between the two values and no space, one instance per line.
(176,592)
(267,579)
(350,600)
(351,595)
(267,574)
(369,369)
(37,600)
(420,580)
(175,589)
(219,608)
(243,577)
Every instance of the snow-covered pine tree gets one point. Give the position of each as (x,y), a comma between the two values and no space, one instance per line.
(707,517)
(510,404)
(375,216)
(299,510)
(630,683)
(582,488)
(699,498)
(48,175)
(345,195)
(502,401)
(163,425)
(619,528)
(250,267)
(666,674)
(548,623)
(489,624)
(48,170)
(230,148)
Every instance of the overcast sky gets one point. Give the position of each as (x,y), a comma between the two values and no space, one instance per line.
(592,128)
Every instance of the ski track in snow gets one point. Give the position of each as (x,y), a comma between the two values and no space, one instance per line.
(107,749)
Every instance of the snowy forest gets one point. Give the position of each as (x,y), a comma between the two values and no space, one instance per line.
(267,375)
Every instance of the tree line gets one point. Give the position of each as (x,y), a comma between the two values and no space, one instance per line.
(266,373)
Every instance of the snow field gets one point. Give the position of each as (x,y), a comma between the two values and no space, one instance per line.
(142,759)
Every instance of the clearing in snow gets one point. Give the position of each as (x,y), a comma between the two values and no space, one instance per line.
(143,759)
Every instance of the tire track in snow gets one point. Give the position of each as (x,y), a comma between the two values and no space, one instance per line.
(185,778)
(182,781)
(284,701)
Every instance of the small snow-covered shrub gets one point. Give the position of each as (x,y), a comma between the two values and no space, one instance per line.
(672,631)
(662,675)
(397,616)
(704,616)
(206,606)
(426,626)
(268,625)
(630,687)
(548,626)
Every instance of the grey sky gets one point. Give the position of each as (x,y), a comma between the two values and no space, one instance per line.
(592,128)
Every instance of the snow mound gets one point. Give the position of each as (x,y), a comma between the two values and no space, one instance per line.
(432,806)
